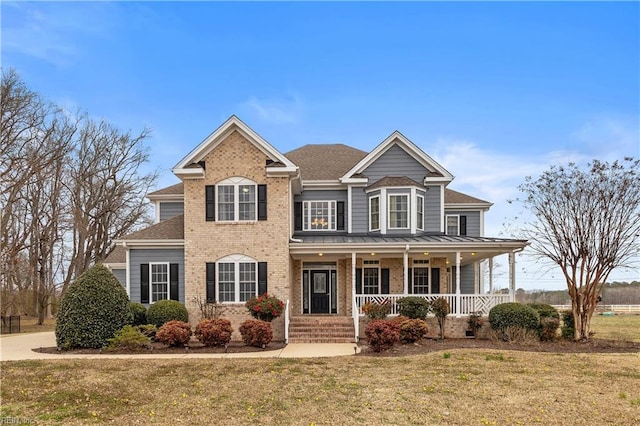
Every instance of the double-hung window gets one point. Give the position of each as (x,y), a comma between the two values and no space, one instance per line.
(398,211)
(374,213)
(319,215)
(159,281)
(453,225)
(371,277)
(237,200)
(419,212)
(237,279)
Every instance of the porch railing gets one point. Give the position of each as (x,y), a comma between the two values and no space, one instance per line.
(468,302)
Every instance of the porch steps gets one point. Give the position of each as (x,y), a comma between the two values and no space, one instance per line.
(321,329)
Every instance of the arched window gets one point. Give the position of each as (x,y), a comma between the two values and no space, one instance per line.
(237,201)
(237,279)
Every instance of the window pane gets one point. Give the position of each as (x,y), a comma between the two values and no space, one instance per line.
(319,215)
(370,280)
(420,213)
(225,202)
(226,282)
(247,281)
(398,211)
(159,282)
(247,202)
(374,211)
(452,225)
(421,280)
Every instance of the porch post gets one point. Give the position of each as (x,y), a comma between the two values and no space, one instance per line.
(458,310)
(355,314)
(512,277)
(491,275)
(406,271)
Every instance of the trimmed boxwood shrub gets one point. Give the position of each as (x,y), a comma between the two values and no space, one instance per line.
(382,334)
(92,309)
(174,333)
(256,333)
(138,313)
(545,310)
(414,307)
(412,330)
(214,332)
(568,326)
(166,310)
(549,328)
(513,315)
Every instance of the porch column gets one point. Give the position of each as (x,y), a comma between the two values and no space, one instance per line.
(491,275)
(512,276)
(458,310)
(406,271)
(355,314)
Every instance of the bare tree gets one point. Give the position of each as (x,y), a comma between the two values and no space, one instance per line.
(588,223)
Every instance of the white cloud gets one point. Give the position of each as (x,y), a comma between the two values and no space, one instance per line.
(609,137)
(286,110)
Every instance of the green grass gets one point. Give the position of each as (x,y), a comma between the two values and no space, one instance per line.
(618,327)
(471,387)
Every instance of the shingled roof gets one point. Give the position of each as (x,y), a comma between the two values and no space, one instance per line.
(455,197)
(177,189)
(170,229)
(325,161)
(390,181)
(117,255)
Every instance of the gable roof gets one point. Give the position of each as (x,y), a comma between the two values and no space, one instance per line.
(397,138)
(185,166)
(176,189)
(117,256)
(394,181)
(170,229)
(458,198)
(325,161)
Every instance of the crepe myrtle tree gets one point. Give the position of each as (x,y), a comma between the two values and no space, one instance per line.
(587,222)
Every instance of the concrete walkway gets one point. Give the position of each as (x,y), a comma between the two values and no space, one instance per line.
(19,347)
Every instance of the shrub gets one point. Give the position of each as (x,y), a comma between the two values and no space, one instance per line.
(129,338)
(92,309)
(414,307)
(265,307)
(382,334)
(412,330)
(214,332)
(256,333)
(545,310)
(441,309)
(513,315)
(475,322)
(568,326)
(174,333)
(376,311)
(148,330)
(549,328)
(516,334)
(138,313)
(167,310)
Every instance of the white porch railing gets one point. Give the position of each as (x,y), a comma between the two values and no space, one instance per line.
(468,302)
(286,322)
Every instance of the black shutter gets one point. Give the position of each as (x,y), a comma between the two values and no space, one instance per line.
(210,196)
(340,213)
(435,280)
(262,277)
(384,287)
(262,202)
(358,280)
(174,292)
(410,280)
(144,283)
(297,213)
(463,225)
(211,282)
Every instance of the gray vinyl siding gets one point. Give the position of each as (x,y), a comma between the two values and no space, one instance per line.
(467,277)
(360,210)
(473,221)
(140,256)
(395,162)
(121,275)
(322,195)
(432,209)
(169,210)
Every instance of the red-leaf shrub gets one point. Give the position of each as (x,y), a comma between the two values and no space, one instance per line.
(174,333)
(412,330)
(214,332)
(256,333)
(382,335)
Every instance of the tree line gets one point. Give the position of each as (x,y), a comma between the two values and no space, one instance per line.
(69,186)
(615,293)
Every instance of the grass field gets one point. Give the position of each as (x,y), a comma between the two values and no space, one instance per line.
(619,327)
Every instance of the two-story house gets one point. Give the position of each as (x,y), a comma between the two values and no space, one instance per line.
(325,228)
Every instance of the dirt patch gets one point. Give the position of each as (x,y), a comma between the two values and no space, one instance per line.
(158,348)
(559,346)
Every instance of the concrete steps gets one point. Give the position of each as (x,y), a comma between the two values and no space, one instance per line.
(321,329)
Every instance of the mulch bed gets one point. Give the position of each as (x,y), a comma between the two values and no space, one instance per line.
(195,347)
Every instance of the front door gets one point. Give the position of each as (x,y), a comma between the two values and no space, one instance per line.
(320,292)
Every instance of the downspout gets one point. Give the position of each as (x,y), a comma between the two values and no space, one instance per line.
(291,206)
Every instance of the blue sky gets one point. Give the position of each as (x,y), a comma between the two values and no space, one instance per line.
(494,91)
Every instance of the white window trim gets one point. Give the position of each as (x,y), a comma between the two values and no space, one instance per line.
(333,219)
(419,224)
(151,265)
(408,197)
(375,265)
(446,224)
(371,228)
(413,275)
(236,182)
(236,260)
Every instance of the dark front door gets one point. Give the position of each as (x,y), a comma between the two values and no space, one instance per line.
(320,292)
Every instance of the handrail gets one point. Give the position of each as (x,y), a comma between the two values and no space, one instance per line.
(286,322)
